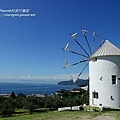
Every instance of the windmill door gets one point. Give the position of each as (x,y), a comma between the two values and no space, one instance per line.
(95,98)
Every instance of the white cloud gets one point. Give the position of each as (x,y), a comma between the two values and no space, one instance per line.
(41,79)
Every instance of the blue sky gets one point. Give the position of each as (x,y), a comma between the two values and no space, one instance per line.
(30,47)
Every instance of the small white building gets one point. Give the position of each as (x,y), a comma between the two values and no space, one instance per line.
(104,76)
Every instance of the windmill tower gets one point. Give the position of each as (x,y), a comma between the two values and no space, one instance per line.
(104,76)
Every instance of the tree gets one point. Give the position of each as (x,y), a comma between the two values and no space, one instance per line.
(84,98)
(8,107)
(21,95)
(19,101)
(31,103)
(49,102)
(13,95)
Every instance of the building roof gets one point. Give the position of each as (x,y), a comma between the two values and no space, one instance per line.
(106,49)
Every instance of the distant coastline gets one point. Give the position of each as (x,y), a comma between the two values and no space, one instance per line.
(78,82)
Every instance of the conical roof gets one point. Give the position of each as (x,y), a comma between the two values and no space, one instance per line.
(106,49)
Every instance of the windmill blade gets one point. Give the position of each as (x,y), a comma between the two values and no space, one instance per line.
(93,45)
(67,49)
(80,46)
(66,64)
(85,31)
(78,54)
(79,62)
(83,70)
(88,44)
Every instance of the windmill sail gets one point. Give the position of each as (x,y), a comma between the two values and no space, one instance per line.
(74,35)
(84,31)
(66,64)
(67,47)
(86,52)
(74,80)
(94,35)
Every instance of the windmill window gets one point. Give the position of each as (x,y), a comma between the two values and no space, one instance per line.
(100,104)
(95,95)
(101,78)
(94,59)
(114,79)
(111,97)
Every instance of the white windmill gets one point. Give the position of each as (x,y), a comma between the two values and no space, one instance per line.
(104,72)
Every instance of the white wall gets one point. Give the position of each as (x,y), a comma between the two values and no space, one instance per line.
(104,68)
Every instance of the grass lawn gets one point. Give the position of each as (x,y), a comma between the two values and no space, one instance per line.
(66,115)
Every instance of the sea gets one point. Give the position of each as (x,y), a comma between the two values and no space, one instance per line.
(32,88)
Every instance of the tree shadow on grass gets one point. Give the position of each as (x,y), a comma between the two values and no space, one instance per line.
(40,110)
